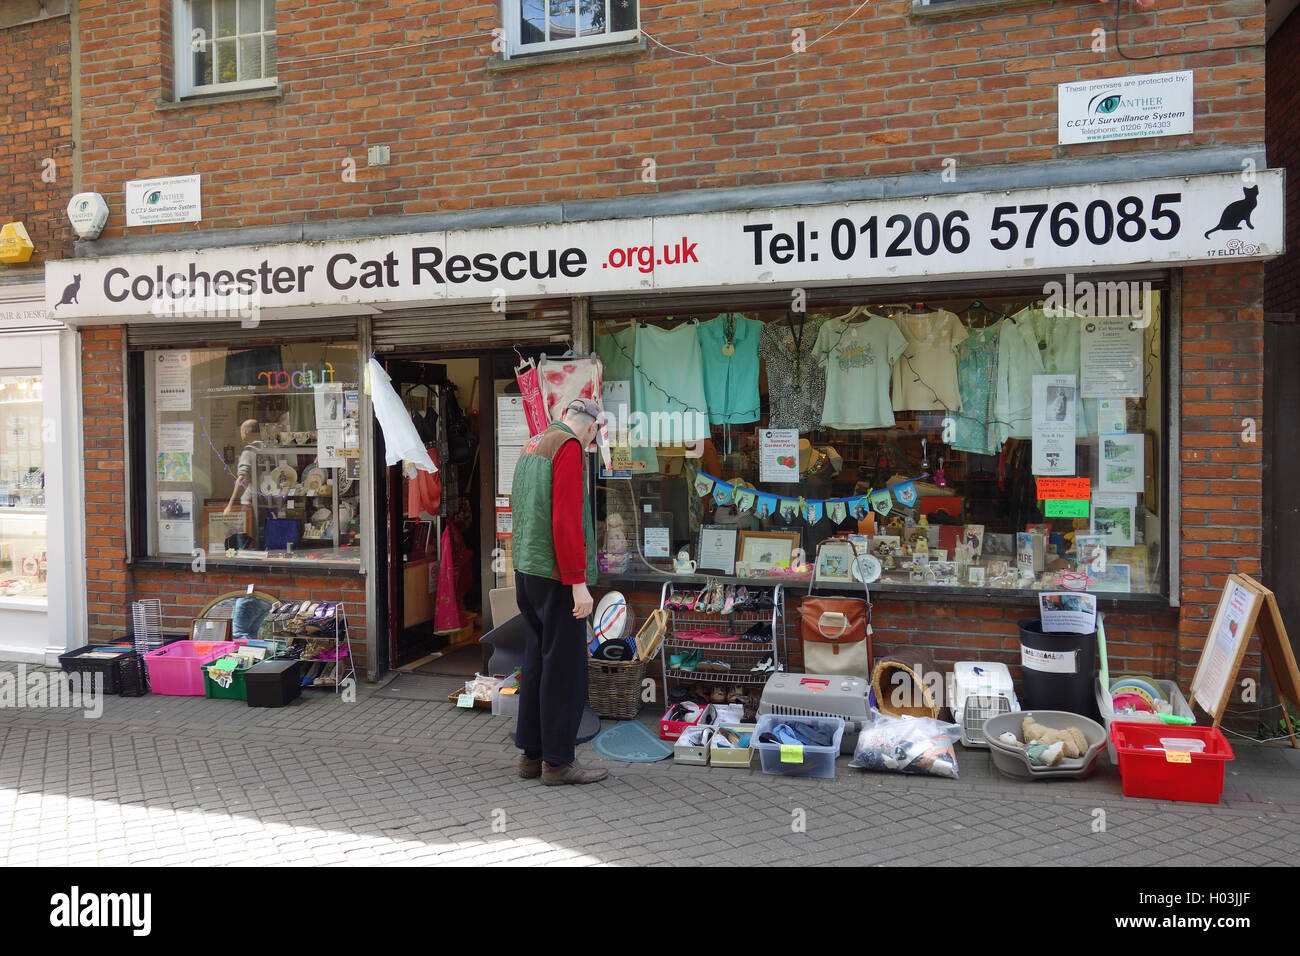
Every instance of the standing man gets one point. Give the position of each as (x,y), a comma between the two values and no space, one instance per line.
(555,564)
(243,489)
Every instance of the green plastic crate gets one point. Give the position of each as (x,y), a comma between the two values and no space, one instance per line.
(238,689)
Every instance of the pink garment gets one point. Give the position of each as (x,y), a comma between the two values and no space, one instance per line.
(424,491)
(454,576)
(563,380)
(534,409)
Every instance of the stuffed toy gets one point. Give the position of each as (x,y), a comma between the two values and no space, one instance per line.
(1074,742)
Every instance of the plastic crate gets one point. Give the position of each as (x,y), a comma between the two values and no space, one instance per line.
(1151,774)
(735,757)
(1108,716)
(810,760)
(505,705)
(672,729)
(177,669)
(104,669)
(238,689)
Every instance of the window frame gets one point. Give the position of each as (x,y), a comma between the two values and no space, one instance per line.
(512,13)
(183,57)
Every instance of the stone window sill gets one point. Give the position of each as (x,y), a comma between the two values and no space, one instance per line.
(271,94)
(498,64)
(947,7)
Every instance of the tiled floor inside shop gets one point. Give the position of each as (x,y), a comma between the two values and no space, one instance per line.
(174,780)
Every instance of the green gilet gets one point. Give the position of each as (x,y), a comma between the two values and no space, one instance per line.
(533,543)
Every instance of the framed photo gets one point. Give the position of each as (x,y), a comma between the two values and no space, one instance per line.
(1112,518)
(834,563)
(218,526)
(1089,551)
(975,577)
(886,545)
(210,629)
(767,549)
(1116,577)
(717,549)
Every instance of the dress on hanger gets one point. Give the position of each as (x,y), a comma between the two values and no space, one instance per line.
(858,360)
(977,377)
(796,382)
(617,351)
(1059,345)
(731,380)
(1019,360)
(925,377)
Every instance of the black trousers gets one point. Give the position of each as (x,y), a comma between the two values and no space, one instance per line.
(553,684)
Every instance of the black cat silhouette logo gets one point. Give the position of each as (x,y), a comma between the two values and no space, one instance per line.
(1237,212)
(70,292)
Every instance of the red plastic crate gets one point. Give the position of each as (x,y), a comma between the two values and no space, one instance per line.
(1150,774)
(672,729)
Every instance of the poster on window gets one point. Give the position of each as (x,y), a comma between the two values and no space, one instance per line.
(778,454)
(1055,404)
(1110,358)
(329,425)
(1121,465)
(175,522)
(172,382)
(175,461)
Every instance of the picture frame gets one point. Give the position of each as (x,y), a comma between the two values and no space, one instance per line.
(1089,551)
(218,526)
(210,629)
(717,550)
(834,563)
(1112,516)
(767,549)
(975,576)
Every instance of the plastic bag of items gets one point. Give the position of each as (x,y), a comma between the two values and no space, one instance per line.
(919,745)
(481,688)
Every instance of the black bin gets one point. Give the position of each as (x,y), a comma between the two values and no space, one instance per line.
(273,683)
(1051,677)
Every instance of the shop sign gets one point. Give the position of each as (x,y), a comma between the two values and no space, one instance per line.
(1124,107)
(1057,229)
(152,202)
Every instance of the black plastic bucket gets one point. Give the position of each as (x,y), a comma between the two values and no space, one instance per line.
(1057,671)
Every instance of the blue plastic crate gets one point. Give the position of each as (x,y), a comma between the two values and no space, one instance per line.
(813,761)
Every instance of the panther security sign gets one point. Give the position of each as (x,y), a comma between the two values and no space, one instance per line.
(152,202)
(1126,107)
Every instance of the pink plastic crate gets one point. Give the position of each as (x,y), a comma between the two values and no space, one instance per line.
(177,669)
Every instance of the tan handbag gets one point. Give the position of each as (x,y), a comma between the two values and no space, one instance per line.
(836,636)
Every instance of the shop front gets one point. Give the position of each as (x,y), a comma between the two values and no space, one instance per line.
(41,568)
(956,401)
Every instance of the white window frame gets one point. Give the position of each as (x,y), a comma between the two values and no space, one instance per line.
(183,60)
(511,14)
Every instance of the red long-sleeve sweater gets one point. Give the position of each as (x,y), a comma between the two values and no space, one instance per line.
(566,513)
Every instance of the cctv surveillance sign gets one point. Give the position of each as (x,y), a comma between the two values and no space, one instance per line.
(152,202)
(1128,107)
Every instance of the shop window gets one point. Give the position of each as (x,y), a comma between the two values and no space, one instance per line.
(224,46)
(538,26)
(22,490)
(252,454)
(1007,444)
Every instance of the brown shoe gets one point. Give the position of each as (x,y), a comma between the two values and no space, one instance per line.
(571,773)
(529,769)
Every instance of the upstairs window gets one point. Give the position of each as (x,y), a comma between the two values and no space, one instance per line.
(536,26)
(224,46)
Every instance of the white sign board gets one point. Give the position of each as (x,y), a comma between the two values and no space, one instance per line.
(1022,231)
(1124,107)
(151,202)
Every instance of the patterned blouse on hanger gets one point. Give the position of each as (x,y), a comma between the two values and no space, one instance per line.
(796,383)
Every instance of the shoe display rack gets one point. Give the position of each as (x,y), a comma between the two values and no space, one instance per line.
(310,629)
(726,655)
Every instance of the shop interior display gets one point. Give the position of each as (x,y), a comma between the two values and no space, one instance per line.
(23,557)
(1002,443)
(284,420)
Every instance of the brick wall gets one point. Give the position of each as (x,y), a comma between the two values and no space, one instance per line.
(884,94)
(111,584)
(34,81)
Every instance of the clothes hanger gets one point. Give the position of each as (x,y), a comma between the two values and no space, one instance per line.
(857,312)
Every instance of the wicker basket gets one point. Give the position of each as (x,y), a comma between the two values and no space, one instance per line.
(913,665)
(614,688)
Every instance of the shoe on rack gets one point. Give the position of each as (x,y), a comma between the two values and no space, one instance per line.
(571,773)
(763,667)
(734,695)
(718,696)
(728,599)
(691,661)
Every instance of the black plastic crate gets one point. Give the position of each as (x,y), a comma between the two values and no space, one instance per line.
(106,672)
